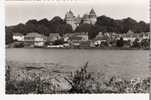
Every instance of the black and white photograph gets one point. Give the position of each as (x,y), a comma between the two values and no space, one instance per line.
(95,47)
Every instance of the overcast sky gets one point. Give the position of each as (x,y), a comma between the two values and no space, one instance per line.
(20,12)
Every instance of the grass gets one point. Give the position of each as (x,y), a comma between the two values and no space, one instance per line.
(80,81)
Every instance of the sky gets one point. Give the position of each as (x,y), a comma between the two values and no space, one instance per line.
(21,11)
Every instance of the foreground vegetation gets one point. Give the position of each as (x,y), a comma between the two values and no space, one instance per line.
(80,81)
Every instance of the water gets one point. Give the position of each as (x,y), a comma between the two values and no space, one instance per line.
(125,63)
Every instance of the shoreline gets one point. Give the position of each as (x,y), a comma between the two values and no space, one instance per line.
(106,48)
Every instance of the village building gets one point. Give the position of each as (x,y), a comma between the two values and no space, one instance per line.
(101,37)
(99,40)
(35,40)
(79,37)
(85,44)
(18,37)
(100,34)
(129,36)
(146,35)
(76,39)
(53,37)
(66,37)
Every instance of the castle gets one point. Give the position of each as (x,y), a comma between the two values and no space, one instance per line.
(90,18)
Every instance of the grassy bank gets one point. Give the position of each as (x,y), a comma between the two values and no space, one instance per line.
(33,80)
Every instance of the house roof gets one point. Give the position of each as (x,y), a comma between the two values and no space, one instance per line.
(18,34)
(68,35)
(130,32)
(54,34)
(76,38)
(34,34)
(100,34)
(101,38)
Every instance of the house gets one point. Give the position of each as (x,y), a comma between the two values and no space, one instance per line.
(130,37)
(35,39)
(67,36)
(79,37)
(146,35)
(18,37)
(76,38)
(75,41)
(85,44)
(130,32)
(101,40)
(100,34)
(53,37)
(84,36)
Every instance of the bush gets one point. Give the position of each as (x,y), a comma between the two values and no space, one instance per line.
(81,81)
(29,85)
(36,86)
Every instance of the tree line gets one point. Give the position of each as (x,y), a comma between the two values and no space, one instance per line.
(58,25)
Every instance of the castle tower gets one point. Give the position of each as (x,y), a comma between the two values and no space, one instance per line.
(70,19)
(78,20)
(92,17)
(86,19)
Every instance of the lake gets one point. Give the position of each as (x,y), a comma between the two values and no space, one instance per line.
(124,63)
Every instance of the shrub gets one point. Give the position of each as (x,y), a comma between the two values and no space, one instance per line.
(81,81)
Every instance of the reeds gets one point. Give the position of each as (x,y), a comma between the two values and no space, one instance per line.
(80,81)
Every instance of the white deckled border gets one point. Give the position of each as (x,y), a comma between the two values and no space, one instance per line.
(53,97)
(2,47)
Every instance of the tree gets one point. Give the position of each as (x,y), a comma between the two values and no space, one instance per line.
(64,28)
(20,28)
(8,36)
(93,32)
(83,28)
(42,30)
(31,26)
(120,42)
(55,24)
(129,24)
(107,24)
(136,43)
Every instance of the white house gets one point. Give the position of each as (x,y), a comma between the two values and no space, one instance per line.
(146,35)
(35,39)
(18,37)
(53,37)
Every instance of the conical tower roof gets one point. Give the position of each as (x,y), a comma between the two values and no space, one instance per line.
(69,14)
(92,13)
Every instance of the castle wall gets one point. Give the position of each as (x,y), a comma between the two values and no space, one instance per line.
(93,21)
(86,21)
